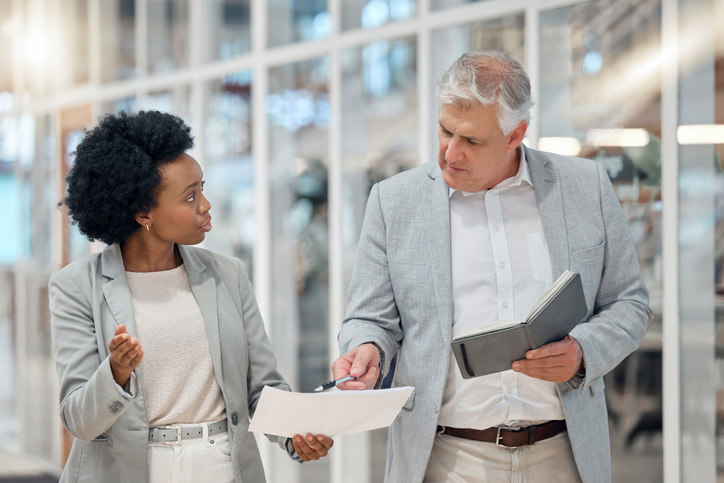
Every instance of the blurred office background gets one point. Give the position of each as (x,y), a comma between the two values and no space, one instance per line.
(298,107)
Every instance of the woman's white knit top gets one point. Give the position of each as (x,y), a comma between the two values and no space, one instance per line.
(178,377)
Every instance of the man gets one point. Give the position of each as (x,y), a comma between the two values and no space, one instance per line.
(446,248)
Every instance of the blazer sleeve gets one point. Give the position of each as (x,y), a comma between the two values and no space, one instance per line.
(90,399)
(372,313)
(621,311)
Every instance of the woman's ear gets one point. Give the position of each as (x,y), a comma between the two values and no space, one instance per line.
(144,220)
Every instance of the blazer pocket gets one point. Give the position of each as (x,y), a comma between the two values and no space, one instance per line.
(588,253)
(540,265)
(410,403)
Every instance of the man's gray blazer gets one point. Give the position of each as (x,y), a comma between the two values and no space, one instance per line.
(89,299)
(401,297)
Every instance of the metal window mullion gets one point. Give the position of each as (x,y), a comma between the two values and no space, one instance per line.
(336,262)
(671,337)
(260,135)
(94,58)
(262,240)
(196,22)
(334,143)
(424,85)
(18,70)
(532,61)
(141,50)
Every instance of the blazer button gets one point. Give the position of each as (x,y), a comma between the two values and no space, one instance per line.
(234,419)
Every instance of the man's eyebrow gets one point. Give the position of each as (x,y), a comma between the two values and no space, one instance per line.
(473,139)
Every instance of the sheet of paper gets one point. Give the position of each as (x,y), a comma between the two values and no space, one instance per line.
(333,412)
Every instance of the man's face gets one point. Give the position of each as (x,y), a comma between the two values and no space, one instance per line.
(474,154)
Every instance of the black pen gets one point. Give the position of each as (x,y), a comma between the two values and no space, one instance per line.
(331,384)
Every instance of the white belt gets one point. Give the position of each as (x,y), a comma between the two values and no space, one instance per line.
(176,433)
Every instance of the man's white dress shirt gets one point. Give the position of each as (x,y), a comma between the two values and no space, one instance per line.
(500,266)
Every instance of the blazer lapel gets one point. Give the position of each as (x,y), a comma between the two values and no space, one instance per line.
(116,291)
(203,286)
(550,206)
(436,210)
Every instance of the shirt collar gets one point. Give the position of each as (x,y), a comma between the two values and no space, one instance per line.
(522,176)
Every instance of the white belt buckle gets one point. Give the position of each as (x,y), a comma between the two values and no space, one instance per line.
(498,438)
(178,434)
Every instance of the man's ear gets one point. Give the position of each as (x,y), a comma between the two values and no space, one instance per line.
(515,137)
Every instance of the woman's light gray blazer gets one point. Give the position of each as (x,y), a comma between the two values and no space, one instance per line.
(89,299)
(401,297)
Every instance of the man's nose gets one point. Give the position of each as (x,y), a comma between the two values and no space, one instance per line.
(453,152)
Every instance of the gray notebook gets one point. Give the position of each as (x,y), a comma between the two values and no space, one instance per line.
(493,348)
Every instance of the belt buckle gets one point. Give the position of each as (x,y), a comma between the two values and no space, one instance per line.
(178,433)
(498,438)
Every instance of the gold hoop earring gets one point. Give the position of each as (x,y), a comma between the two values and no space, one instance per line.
(147,228)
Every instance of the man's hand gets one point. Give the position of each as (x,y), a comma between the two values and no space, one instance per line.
(312,447)
(555,362)
(126,355)
(362,362)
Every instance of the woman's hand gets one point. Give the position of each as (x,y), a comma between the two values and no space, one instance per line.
(312,447)
(126,355)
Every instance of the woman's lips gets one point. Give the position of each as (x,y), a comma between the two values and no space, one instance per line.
(206,227)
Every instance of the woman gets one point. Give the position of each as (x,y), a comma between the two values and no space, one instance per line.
(160,348)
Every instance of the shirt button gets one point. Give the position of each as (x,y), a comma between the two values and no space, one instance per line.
(234,419)
(495,228)
(501,264)
(505,306)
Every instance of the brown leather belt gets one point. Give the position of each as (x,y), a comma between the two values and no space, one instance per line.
(508,437)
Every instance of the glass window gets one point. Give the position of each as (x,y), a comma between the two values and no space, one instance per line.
(10,34)
(75,49)
(127,104)
(379,125)
(373,13)
(296,20)
(298,117)
(11,248)
(229,166)
(599,98)
(176,100)
(379,139)
(77,244)
(228,29)
(118,40)
(168,35)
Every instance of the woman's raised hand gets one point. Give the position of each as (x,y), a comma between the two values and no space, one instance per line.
(126,355)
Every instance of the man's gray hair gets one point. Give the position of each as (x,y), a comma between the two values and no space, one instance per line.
(488,77)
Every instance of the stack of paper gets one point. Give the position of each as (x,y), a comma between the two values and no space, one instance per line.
(285,413)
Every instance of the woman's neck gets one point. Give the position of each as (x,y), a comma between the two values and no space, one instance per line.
(141,256)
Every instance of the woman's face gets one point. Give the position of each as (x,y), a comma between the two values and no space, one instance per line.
(181,214)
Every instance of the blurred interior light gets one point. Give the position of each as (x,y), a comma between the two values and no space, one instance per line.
(618,137)
(700,134)
(6,101)
(560,145)
(592,63)
(375,13)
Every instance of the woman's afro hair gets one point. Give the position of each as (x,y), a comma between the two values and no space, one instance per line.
(116,173)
